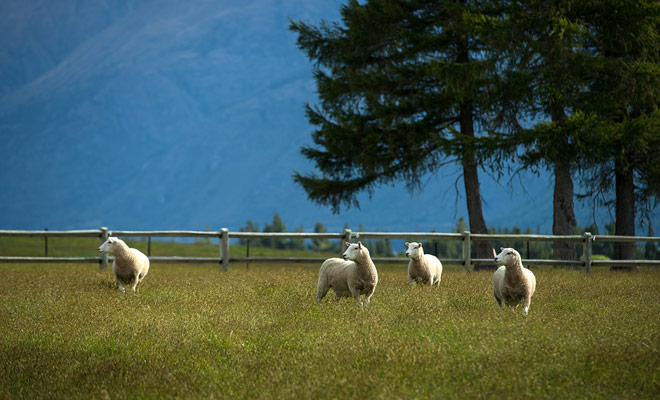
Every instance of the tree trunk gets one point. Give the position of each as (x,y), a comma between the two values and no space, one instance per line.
(624,213)
(563,216)
(482,249)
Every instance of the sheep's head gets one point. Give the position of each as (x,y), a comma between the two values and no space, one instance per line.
(110,245)
(414,251)
(354,250)
(507,256)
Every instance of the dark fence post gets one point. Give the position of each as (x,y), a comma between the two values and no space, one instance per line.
(247,254)
(528,257)
(587,251)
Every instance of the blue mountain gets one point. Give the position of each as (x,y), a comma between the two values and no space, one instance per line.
(145,114)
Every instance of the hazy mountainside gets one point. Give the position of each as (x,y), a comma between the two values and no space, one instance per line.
(181,115)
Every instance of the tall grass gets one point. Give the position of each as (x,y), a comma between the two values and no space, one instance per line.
(193,332)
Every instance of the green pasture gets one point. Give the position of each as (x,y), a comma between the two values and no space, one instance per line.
(162,247)
(194,332)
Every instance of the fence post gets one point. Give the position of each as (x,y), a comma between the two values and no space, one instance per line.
(347,238)
(467,258)
(247,254)
(224,248)
(587,250)
(104,256)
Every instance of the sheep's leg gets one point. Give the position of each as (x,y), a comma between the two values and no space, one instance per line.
(367,298)
(135,282)
(321,292)
(322,287)
(139,282)
(356,294)
(119,284)
(499,302)
(526,303)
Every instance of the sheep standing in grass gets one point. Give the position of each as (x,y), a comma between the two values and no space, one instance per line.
(130,265)
(354,276)
(513,283)
(423,267)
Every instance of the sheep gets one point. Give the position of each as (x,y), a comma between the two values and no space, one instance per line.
(130,265)
(353,276)
(513,283)
(422,267)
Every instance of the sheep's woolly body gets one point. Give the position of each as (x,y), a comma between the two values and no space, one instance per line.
(425,268)
(512,283)
(352,277)
(130,265)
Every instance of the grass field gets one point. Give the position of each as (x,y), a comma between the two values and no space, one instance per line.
(193,332)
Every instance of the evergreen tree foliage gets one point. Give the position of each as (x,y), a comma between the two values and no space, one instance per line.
(297,244)
(250,227)
(543,45)
(377,247)
(277,225)
(590,70)
(322,245)
(402,85)
(623,96)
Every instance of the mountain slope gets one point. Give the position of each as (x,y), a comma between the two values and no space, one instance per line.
(181,115)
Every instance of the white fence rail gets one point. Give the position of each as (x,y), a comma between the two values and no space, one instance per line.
(224,237)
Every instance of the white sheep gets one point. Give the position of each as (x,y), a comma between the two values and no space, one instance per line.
(130,265)
(355,275)
(513,283)
(422,267)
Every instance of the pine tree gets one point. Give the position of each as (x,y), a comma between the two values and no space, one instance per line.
(322,245)
(276,226)
(623,96)
(250,227)
(403,84)
(592,70)
(543,45)
(297,244)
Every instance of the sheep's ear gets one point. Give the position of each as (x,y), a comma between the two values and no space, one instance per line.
(501,248)
(420,245)
(348,244)
(359,245)
(407,244)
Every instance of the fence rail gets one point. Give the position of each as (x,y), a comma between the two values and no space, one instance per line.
(224,237)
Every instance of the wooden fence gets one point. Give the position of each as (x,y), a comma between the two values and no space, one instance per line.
(224,237)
